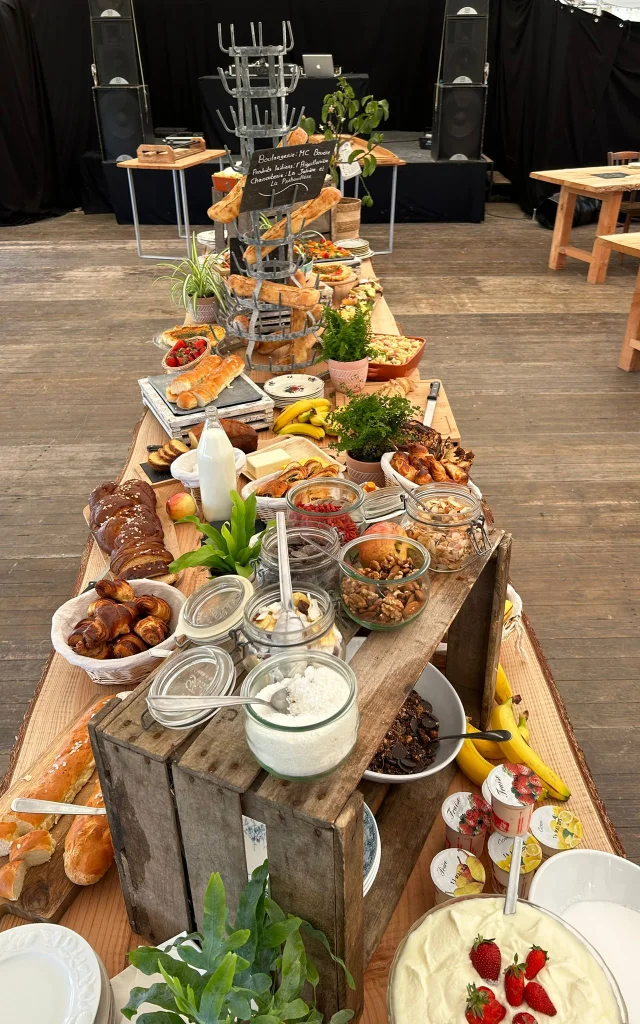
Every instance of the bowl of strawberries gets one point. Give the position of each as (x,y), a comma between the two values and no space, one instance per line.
(186,353)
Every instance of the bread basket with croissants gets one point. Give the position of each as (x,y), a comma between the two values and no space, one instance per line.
(111,632)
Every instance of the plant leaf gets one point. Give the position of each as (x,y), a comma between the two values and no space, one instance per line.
(158,994)
(217,988)
(294,969)
(320,937)
(201,556)
(293,1010)
(238,521)
(162,1017)
(273,910)
(278,932)
(231,545)
(150,960)
(341,1017)
(214,916)
(209,531)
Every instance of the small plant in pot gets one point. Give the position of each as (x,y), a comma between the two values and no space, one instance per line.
(366,428)
(197,284)
(346,346)
(228,551)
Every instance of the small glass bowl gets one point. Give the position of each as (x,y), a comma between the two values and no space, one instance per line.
(307,752)
(261,643)
(347,518)
(384,603)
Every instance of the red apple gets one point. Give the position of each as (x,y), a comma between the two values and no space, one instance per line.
(375,550)
(180,505)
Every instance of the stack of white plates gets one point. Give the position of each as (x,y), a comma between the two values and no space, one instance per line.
(289,388)
(372,850)
(357,247)
(51,975)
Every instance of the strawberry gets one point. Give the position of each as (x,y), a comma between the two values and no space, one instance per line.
(485,957)
(536,960)
(483,1007)
(524,1018)
(537,999)
(514,982)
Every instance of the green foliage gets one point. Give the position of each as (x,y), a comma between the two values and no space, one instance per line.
(344,114)
(346,340)
(227,550)
(370,425)
(256,970)
(194,278)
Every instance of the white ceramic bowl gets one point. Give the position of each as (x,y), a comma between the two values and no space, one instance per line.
(392,477)
(185,467)
(448,709)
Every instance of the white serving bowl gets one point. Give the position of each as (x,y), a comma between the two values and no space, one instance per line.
(185,467)
(392,477)
(448,709)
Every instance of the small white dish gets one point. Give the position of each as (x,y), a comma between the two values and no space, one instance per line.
(48,975)
(372,849)
(292,387)
(448,709)
(185,467)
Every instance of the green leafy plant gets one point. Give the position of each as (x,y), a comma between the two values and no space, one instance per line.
(343,114)
(196,278)
(228,550)
(370,425)
(254,970)
(346,340)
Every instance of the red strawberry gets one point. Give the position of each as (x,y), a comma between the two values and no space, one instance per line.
(482,1006)
(536,960)
(524,1018)
(485,957)
(537,999)
(514,982)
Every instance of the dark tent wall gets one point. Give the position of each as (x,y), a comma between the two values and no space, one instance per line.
(565,89)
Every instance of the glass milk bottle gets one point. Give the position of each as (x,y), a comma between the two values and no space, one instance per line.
(216,469)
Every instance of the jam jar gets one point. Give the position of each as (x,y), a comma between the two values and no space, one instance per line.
(320,633)
(447,519)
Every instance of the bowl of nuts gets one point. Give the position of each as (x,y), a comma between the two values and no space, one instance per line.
(384,579)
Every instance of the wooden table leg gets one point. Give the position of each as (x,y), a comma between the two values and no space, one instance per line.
(629,354)
(606,226)
(562,229)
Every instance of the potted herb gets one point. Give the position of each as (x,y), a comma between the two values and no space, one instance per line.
(196,284)
(346,346)
(256,970)
(366,428)
(227,551)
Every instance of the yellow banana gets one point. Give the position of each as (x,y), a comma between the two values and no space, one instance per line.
(303,428)
(473,764)
(519,752)
(486,747)
(304,405)
(523,727)
(318,420)
(503,689)
(508,608)
(304,417)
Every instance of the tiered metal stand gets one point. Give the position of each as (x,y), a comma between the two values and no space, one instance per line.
(249,318)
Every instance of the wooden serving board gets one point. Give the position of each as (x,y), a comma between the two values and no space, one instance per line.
(47,892)
(443,418)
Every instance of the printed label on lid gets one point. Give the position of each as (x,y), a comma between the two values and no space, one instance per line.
(515,785)
(557,828)
(457,873)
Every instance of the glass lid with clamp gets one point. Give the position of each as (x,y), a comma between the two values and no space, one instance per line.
(215,610)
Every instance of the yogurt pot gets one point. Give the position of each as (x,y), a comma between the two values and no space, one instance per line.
(467,820)
(456,873)
(500,849)
(556,829)
(486,793)
(514,789)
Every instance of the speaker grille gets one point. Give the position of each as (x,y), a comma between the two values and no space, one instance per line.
(115,51)
(465,50)
(459,122)
(122,119)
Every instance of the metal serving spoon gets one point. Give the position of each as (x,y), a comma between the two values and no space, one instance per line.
(28,806)
(189,702)
(289,622)
(495,735)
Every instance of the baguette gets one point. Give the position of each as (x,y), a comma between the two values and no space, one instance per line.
(296,137)
(186,381)
(210,388)
(9,831)
(302,348)
(88,850)
(298,320)
(12,879)
(228,208)
(303,216)
(271,291)
(35,848)
(187,400)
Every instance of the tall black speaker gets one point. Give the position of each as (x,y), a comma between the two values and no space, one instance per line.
(464,50)
(462,7)
(124,119)
(115,52)
(110,8)
(458,123)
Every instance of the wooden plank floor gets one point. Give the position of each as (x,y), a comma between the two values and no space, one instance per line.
(529,361)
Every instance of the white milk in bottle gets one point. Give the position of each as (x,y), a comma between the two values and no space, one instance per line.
(216,469)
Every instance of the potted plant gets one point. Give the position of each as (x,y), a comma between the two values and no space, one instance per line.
(227,551)
(346,346)
(366,428)
(196,284)
(256,970)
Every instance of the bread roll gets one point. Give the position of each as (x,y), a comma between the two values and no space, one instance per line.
(186,400)
(35,848)
(88,850)
(296,137)
(187,381)
(10,831)
(302,217)
(278,294)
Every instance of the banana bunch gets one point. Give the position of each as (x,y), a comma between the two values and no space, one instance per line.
(518,751)
(308,417)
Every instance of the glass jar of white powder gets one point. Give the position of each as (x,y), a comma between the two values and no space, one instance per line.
(322,728)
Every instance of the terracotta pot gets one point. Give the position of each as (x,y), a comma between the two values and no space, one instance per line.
(360,472)
(345,219)
(204,310)
(348,375)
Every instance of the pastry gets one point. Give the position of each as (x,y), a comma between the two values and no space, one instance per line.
(127,645)
(117,590)
(148,604)
(124,522)
(152,630)
(274,292)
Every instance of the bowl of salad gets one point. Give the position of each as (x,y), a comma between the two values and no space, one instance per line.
(393,355)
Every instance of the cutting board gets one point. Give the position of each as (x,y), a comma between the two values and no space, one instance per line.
(47,892)
(241,391)
(443,419)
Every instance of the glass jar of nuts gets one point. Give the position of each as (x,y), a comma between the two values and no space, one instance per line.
(448,520)
(384,580)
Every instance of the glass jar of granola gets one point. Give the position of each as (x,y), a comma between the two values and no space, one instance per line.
(448,520)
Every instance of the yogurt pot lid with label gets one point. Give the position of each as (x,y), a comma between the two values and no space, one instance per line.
(515,785)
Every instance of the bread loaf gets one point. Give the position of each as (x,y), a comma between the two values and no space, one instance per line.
(88,850)
(123,519)
(302,217)
(35,848)
(296,137)
(187,381)
(12,879)
(10,831)
(278,294)
(241,435)
(215,383)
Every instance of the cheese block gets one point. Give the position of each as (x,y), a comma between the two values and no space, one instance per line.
(261,464)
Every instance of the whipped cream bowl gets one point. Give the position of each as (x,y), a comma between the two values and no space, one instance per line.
(431,969)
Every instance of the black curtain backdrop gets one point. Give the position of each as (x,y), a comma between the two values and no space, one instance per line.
(564,90)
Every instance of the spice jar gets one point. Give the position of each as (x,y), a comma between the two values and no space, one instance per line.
(214,612)
(320,633)
(306,563)
(328,503)
(322,728)
(384,581)
(448,520)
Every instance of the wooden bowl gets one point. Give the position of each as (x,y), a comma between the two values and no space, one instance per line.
(385,371)
(187,366)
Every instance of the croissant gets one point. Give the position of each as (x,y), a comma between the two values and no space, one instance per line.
(117,589)
(99,603)
(127,645)
(152,630)
(101,653)
(109,622)
(437,470)
(77,634)
(147,604)
(460,476)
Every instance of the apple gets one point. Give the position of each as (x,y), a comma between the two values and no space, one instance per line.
(180,505)
(376,550)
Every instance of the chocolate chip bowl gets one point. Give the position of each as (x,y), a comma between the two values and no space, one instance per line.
(410,750)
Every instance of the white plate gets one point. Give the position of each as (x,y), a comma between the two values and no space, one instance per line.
(372,849)
(48,975)
(291,387)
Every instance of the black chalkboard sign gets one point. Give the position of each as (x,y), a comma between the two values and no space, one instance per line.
(291,174)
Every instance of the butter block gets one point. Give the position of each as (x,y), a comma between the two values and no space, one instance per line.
(261,464)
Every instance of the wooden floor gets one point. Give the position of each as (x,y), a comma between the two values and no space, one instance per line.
(529,361)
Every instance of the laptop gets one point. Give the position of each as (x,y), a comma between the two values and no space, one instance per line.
(318,65)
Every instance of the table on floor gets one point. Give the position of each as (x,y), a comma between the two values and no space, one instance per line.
(605,183)
(629,244)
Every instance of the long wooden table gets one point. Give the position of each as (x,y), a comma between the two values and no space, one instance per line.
(629,244)
(605,183)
